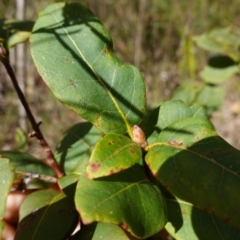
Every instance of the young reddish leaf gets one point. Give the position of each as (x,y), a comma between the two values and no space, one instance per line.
(112,154)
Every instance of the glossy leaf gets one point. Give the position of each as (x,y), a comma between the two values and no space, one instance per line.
(14,31)
(167,113)
(76,146)
(6,180)
(186,222)
(112,154)
(98,231)
(73,53)
(127,199)
(46,214)
(196,165)
(218,75)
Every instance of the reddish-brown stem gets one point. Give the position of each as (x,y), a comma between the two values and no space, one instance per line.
(51,161)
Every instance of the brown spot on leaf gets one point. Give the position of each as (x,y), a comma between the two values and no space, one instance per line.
(106,51)
(132,150)
(111,142)
(94,167)
(111,172)
(176,143)
(72,83)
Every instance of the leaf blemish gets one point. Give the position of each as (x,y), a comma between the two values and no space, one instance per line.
(132,151)
(111,172)
(175,143)
(95,167)
(106,51)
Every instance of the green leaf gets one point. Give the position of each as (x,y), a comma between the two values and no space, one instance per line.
(73,53)
(6,181)
(14,31)
(25,162)
(166,114)
(46,214)
(211,97)
(212,41)
(187,92)
(221,41)
(187,222)
(175,110)
(112,154)
(98,231)
(76,145)
(207,43)
(196,165)
(218,75)
(122,199)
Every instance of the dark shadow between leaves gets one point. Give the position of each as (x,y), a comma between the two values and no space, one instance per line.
(220,61)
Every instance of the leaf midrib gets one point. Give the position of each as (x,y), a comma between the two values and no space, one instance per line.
(119,110)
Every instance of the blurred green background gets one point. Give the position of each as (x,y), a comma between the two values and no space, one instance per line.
(150,34)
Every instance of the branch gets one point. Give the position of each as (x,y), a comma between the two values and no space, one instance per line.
(51,161)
